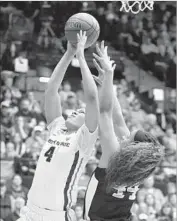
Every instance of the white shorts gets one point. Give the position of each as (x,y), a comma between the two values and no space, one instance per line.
(34,213)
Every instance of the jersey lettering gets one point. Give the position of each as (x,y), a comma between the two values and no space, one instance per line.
(121,192)
(55,142)
(49,153)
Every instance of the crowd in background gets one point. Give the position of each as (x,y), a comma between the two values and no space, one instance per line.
(150,37)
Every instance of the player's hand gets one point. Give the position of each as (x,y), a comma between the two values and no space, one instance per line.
(101,73)
(71,49)
(81,41)
(107,65)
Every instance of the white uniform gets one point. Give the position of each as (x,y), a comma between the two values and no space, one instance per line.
(60,165)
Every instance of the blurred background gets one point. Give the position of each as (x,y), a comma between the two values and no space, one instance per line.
(144,48)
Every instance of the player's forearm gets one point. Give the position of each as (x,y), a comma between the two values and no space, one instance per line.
(106,94)
(59,72)
(120,126)
(90,89)
(117,111)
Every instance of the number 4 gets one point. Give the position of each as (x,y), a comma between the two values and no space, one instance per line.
(49,154)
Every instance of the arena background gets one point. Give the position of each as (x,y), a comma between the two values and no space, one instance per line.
(144,48)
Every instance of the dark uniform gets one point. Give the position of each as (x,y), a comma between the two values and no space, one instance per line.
(101,206)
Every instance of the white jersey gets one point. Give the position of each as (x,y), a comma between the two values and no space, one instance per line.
(60,165)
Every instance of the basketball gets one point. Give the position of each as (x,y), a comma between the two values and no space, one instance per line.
(84,22)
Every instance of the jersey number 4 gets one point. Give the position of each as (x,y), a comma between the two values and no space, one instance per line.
(49,154)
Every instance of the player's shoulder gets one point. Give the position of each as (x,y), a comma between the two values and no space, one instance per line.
(84,130)
(100,174)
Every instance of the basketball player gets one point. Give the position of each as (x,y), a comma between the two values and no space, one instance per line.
(127,158)
(62,160)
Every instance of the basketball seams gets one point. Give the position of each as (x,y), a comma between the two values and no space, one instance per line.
(92,32)
(78,19)
(68,30)
(84,20)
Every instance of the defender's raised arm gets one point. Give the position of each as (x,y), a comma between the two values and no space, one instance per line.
(107,135)
(120,126)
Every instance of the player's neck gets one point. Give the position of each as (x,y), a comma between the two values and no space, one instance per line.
(71,130)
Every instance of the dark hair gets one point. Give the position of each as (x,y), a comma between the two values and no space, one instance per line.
(133,163)
(167,204)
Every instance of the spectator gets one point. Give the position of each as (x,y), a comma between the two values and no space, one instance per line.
(34,104)
(148,187)
(135,40)
(15,93)
(35,142)
(169,140)
(152,206)
(7,121)
(19,144)
(166,213)
(17,190)
(172,201)
(7,95)
(19,203)
(10,151)
(22,128)
(141,213)
(45,132)
(169,166)
(2,150)
(171,188)
(7,59)
(154,35)
(29,118)
(137,114)
(149,50)
(139,199)
(66,89)
(5,201)
(161,63)
(123,28)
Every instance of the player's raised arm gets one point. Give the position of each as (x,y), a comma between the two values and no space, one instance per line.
(52,98)
(90,89)
(120,126)
(107,135)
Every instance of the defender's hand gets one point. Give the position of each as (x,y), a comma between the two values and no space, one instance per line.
(101,73)
(81,41)
(107,65)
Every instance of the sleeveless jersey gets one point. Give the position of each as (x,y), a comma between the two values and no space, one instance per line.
(102,206)
(60,165)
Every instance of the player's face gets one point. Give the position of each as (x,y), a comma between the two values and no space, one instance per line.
(76,119)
